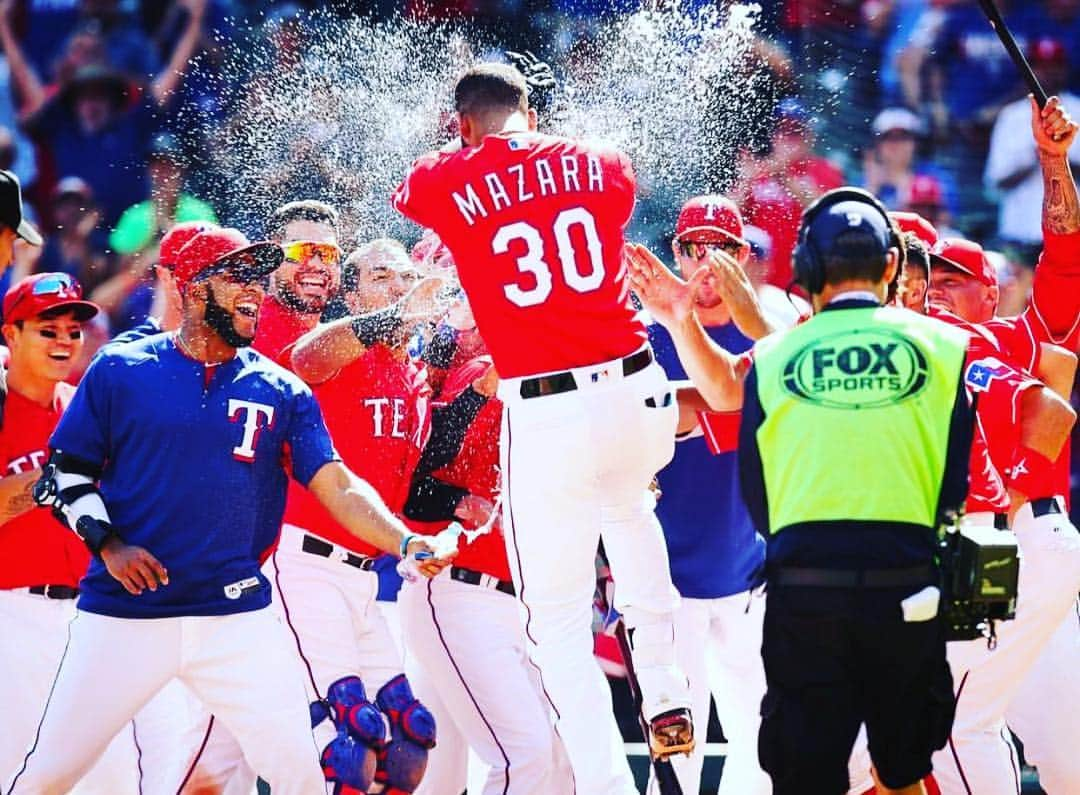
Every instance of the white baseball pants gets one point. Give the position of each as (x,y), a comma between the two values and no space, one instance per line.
(242,667)
(337,627)
(980,758)
(718,647)
(33,633)
(469,649)
(576,467)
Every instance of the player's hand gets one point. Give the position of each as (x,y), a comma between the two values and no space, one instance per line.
(668,298)
(487,384)
(133,567)
(1053,128)
(739,295)
(538,74)
(477,511)
(429,558)
(423,300)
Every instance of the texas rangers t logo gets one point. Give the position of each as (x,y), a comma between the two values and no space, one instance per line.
(252,412)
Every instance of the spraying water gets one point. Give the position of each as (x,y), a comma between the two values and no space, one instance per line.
(337,109)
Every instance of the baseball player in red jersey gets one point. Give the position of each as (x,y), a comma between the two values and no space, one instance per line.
(535,224)
(375,404)
(40,562)
(466,649)
(308,278)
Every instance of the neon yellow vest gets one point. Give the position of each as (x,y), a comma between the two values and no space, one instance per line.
(857,407)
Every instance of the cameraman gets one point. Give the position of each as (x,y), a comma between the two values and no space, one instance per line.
(854,445)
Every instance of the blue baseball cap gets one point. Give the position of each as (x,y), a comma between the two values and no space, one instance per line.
(845,217)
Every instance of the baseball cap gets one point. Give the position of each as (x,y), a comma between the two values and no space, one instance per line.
(761,242)
(1047,50)
(73,186)
(177,237)
(11,209)
(897,119)
(965,256)
(925,190)
(218,249)
(847,217)
(916,224)
(710,219)
(31,296)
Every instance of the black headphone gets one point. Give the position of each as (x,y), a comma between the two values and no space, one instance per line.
(808,263)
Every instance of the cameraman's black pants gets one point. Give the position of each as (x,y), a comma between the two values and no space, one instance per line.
(836,658)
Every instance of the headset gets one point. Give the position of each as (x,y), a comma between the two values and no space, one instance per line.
(809,264)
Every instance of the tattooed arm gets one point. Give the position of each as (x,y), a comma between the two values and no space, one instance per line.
(15,499)
(1054,133)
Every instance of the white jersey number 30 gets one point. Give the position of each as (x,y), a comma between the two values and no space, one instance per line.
(533,262)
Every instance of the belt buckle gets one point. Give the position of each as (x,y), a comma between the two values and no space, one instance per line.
(339,554)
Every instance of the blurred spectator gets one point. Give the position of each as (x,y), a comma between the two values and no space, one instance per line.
(1014,284)
(927,198)
(142,224)
(889,166)
(77,243)
(777,186)
(127,296)
(1012,166)
(96,124)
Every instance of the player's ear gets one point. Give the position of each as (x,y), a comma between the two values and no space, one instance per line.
(465,126)
(892,263)
(9,333)
(534,120)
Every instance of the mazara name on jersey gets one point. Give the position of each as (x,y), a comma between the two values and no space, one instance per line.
(523,182)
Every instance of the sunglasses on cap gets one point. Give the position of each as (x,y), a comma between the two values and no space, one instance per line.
(242,270)
(59,284)
(302,251)
(698,249)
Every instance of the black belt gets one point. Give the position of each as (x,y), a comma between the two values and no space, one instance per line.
(865,578)
(1001,521)
(316,546)
(470,577)
(1044,506)
(54,591)
(564,382)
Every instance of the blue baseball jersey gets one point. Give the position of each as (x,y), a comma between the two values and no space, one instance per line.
(194,470)
(713,548)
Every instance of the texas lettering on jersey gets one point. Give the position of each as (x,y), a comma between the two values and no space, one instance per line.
(535,225)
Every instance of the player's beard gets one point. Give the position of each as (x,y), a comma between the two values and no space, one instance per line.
(298,304)
(222,322)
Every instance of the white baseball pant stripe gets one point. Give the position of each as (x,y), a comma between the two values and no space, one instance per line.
(336,624)
(467,641)
(719,649)
(576,467)
(240,666)
(980,758)
(34,630)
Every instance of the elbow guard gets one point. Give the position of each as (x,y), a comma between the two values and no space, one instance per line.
(67,486)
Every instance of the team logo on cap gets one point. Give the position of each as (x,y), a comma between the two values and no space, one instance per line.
(856,370)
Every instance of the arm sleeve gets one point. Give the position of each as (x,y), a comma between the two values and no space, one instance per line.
(84,429)
(751,474)
(954,480)
(309,442)
(442,347)
(432,500)
(449,424)
(1055,300)
(413,197)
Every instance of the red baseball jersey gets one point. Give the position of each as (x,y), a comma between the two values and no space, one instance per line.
(535,224)
(377,412)
(476,468)
(278,330)
(35,549)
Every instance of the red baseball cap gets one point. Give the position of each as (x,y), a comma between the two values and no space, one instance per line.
(916,224)
(41,292)
(1047,50)
(178,237)
(220,248)
(965,256)
(710,219)
(925,190)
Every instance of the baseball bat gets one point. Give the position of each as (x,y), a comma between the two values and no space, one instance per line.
(666,780)
(993,14)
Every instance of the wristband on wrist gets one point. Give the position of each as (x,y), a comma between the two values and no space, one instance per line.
(1031,473)
(405,543)
(378,326)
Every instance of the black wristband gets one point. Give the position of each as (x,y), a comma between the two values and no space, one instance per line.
(378,326)
(93,532)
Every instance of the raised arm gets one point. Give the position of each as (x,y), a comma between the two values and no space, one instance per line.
(169,78)
(27,83)
(1054,133)
(716,373)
